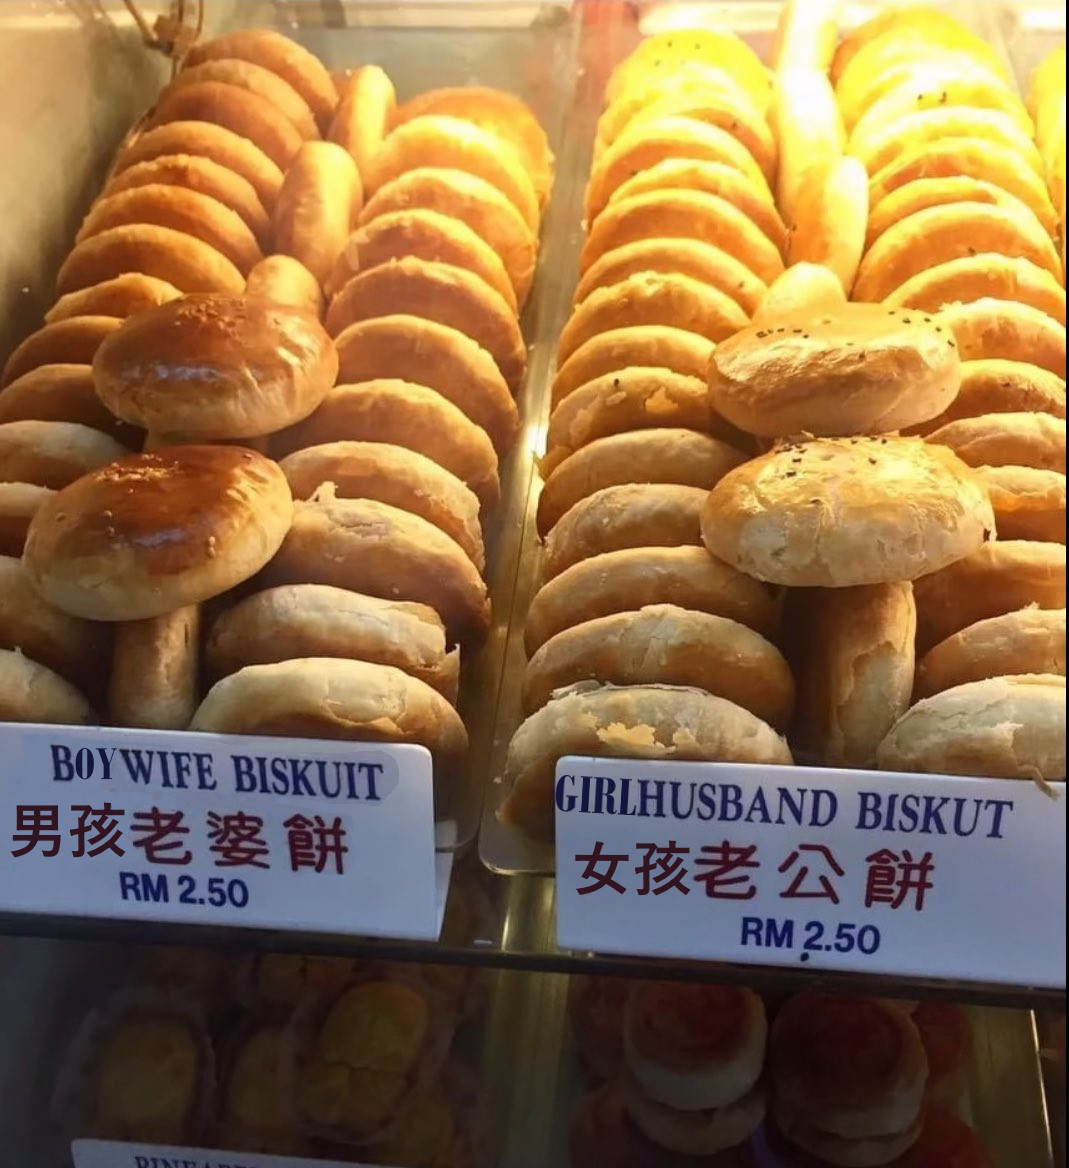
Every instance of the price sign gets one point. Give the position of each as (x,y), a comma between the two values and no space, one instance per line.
(106,1154)
(219,829)
(914,875)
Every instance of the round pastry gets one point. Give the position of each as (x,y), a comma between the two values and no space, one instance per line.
(422,235)
(283,280)
(630,579)
(1010,439)
(403,414)
(258,367)
(625,516)
(177,209)
(1006,330)
(120,297)
(688,215)
(696,1133)
(327,697)
(691,258)
(475,202)
(316,620)
(426,352)
(834,513)
(316,206)
(848,369)
(652,298)
(946,1142)
(283,981)
(432,1131)
(997,578)
(829,217)
(979,277)
(679,456)
(66,342)
(371,547)
(637,721)
(946,1035)
(1026,640)
(1028,504)
(501,114)
(205,140)
(188,263)
(596,1012)
(394,475)
(68,646)
(442,294)
(154,671)
(95,550)
(919,22)
(33,693)
(853,668)
(292,62)
(258,80)
(998,386)
(694,1047)
(802,287)
(19,502)
(204,175)
(360,123)
(999,728)
(53,454)
(257,1112)
(649,347)
(63,393)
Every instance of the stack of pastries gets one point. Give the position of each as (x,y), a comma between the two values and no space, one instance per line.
(683,241)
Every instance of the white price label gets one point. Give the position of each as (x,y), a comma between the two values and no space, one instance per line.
(107,1154)
(274,833)
(912,875)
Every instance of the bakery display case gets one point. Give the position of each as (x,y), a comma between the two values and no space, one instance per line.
(443,443)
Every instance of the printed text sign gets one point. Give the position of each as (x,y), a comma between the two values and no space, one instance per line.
(849,870)
(218,829)
(106,1154)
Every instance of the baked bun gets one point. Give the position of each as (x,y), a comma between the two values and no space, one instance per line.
(694,1047)
(1005,329)
(283,280)
(849,369)
(120,297)
(31,693)
(94,549)
(1011,439)
(708,265)
(203,175)
(178,209)
(316,207)
(256,1108)
(53,454)
(834,513)
(647,346)
(651,721)
(1000,728)
(258,367)
(402,414)
(426,352)
(664,298)
(190,264)
(68,646)
(998,386)
(362,119)
(205,140)
(258,80)
(829,218)
(803,287)
(691,1134)
(395,475)
(686,457)
(327,697)
(441,293)
(316,620)
(1026,640)
(997,578)
(63,393)
(422,235)
(629,515)
(471,199)
(979,277)
(688,215)
(1028,504)
(596,1013)
(19,502)
(849,1066)
(371,547)
(665,645)
(853,667)
(66,342)
(155,665)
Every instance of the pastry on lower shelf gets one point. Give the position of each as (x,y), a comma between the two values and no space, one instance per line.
(946,1034)
(256,1108)
(596,1010)
(282,980)
(432,1131)
(205,974)
(946,1142)
(696,1133)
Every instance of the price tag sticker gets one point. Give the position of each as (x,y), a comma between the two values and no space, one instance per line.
(910,875)
(107,1154)
(295,834)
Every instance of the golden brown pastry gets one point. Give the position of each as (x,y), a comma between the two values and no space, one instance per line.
(155,665)
(53,454)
